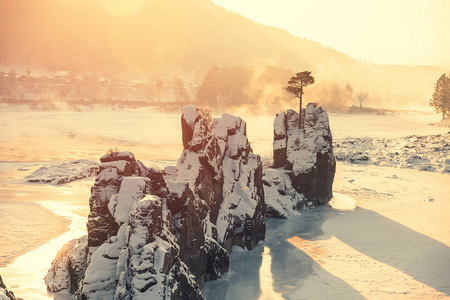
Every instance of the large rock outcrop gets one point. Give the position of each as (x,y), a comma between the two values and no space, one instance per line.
(306,153)
(114,167)
(225,176)
(132,249)
(141,262)
(149,237)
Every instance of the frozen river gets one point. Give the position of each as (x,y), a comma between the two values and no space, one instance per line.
(312,256)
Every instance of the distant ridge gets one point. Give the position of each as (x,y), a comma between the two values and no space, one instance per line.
(183,36)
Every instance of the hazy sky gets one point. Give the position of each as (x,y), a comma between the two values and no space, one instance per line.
(381,31)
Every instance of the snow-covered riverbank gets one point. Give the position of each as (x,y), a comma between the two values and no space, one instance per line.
(426,153)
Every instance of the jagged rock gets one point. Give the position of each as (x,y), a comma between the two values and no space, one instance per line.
(225,174)
(98,267)
(106,184)
(188,228)
(279,140)
(242,211)
(68,267)
(114,166)
(148,265)
(201,161)
(4,293)
(217,262)
(306,153)
(148,238)
(125,162)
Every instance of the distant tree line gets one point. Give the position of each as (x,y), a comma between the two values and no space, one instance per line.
(235,86)
(258,88)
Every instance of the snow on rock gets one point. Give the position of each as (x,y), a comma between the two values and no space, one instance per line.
(426,153)
(114,167)
(116,156)
(306,154)
(105,186)
(148,265)
(124,162)
(150,268)
(132,189)
(145,239)
(152,239)
(282,200)
(205,260)
(4,293)
(64,172)
(68,267)
(225,176)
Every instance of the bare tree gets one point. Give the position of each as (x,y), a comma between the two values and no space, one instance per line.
(179,90)
(361,97)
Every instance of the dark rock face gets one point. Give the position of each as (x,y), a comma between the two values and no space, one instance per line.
(155,270)
(114,167)
(187,228)
(223,172)
(306,153)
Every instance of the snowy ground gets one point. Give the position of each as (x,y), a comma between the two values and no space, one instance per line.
(426,153)
(382,237)
(394,244)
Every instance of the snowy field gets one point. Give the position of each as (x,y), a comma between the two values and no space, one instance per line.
(385,236)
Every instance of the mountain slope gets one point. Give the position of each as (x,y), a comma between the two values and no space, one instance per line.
(167,36)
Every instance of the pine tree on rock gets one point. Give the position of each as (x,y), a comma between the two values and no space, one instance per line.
(296,84)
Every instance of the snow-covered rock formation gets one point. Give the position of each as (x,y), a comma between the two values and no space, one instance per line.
(66,172)
(306,155)
(225,175)
(131,250)
(149,238)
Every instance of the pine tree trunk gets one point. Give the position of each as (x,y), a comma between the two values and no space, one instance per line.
(300,114)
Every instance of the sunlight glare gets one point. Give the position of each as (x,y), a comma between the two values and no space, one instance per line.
(266,279)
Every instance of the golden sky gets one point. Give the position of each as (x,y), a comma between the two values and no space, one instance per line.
(383,31)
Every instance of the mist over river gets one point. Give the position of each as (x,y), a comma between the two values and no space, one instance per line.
(30,136)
